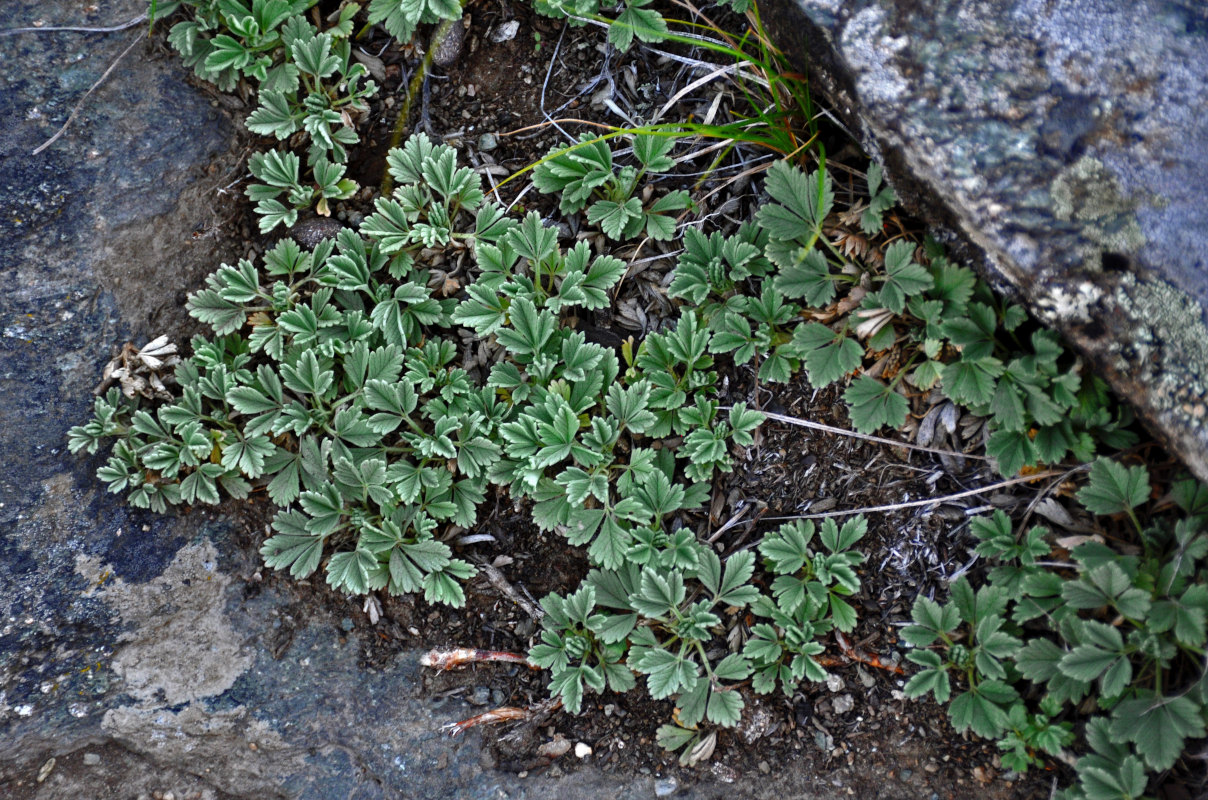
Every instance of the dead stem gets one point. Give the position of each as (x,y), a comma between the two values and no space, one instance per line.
(818,426)
(504,714)
(920,503)
(458,657)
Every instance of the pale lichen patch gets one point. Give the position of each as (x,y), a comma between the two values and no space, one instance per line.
(179,645)
(1089,193)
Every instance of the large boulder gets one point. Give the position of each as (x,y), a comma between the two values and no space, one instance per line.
(1062,148)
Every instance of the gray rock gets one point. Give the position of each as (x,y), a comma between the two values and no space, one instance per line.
(1063,148)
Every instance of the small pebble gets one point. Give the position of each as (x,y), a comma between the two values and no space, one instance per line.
(91,759)
(555,747)
(481,695)
(582,750)
(312,231)
(446,51)
(487,142)
(843,703)
(504,32)
(665,787)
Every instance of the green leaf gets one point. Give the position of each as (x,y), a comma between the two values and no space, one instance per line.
(1113,488)
(615,218)
(979,709)
(804,275)
(734,590)
(1013,450)
(652,152)
(972,381)
(646,24)
(1157,726)
(804,203)
(874,404)
(307,376)
(227,52)
(314,56)
(273,117)
(349,571)
(904,278)
(828,356)
(881,199)
(294,546)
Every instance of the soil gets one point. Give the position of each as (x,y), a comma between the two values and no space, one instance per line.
(855,736)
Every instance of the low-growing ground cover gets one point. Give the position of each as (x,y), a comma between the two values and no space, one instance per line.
(468,376)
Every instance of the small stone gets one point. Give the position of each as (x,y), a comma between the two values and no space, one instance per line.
(834,683)
(558,746)
(906,773)
(481,695)
(91,759)
(504,32)
(843,703)
(47,768)
(312,231)
(665,787)
(446,51)
(764,767)
(582,750)
(757,722)
(487,142)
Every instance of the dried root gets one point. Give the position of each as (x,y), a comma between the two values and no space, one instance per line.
(504,714)
(458,657)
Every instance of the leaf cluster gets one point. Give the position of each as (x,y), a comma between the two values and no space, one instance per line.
(1124,630)
(586,177)
(332,383)
(306,82)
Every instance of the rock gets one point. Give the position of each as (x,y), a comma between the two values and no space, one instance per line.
(1061,148)
(504,31)
(554,748)
(446,49)
(757,722)
(310,231)
(665,787)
